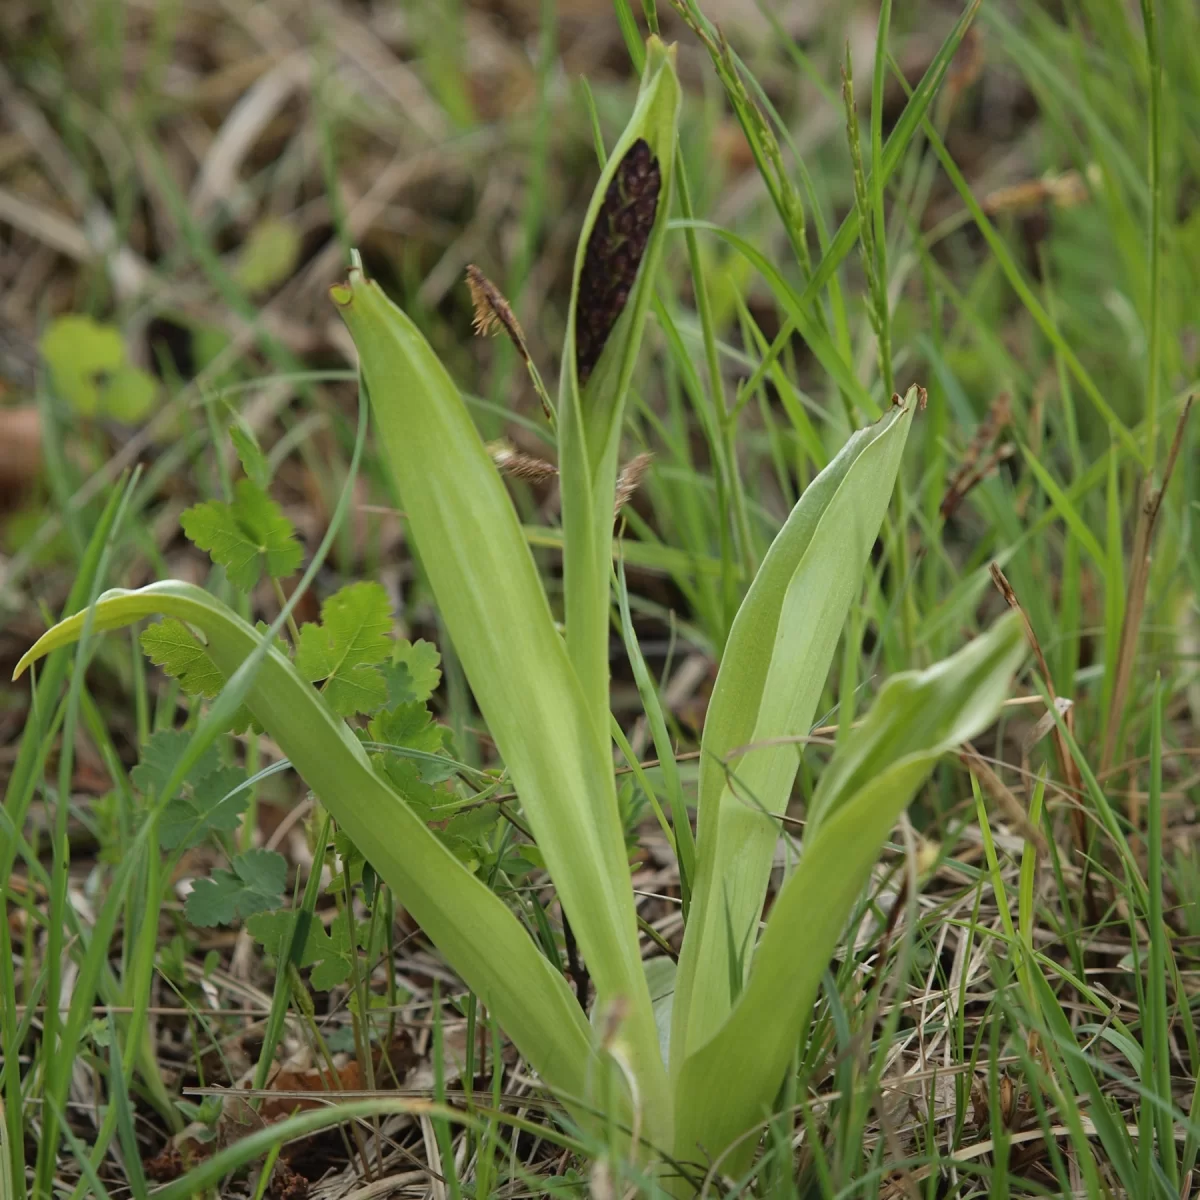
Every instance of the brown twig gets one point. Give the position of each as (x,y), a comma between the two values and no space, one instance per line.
(1135,603)
(1012,808)
(970,472)
(1066,764)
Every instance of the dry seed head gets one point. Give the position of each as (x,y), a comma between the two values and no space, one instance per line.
(614,252)
(969,473)
(492,311)
(628,480)
(520,466)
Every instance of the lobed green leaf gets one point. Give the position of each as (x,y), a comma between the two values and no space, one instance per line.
(344,650)
(413,673)
(248,537)
(169,644)
(255,883)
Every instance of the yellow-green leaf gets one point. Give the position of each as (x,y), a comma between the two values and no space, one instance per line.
(268,255)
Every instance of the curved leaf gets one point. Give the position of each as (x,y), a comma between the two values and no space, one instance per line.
(767,691)
(478,935)
(917,718)
(489,594)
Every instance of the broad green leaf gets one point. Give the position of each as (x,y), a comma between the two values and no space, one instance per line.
(660,977)
(268,255)
(255,883)
(247,537)
(615,264)
(463,524)
(767,691)
(344,649)
(918,717)
(471,926)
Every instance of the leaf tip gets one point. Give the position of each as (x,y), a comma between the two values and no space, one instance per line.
(343,293)
(28,659)
(658,50)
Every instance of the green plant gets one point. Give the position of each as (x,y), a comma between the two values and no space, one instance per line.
(741,1003)
(91,370)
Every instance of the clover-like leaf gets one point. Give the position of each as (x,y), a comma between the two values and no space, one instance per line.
(247,537)
(90,369)
(327,951)
(414,672)
(169,644)
(158,759)
(254,885)
(344,650)
(215,802)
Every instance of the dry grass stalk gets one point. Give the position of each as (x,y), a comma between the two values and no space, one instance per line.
(1010,806)
(970,471)
(1135,603)
(493,313)
(1066,764)
(986,468)
(1067,190)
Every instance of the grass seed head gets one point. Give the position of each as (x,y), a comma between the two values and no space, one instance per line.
(492,311)
(520,466)
(629,479)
